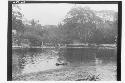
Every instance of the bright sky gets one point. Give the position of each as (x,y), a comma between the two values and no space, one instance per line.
(54,13)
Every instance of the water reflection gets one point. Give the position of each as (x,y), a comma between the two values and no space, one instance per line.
(34,60)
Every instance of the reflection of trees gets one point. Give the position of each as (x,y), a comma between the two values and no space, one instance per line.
(77,54)
(18,59)
(86,55)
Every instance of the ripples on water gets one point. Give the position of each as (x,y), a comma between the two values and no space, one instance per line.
(35,60)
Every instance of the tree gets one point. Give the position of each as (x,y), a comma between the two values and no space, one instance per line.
(108,29)
(34,22)
(17,24)
(87,26)
(36,34)
(81,23)
(17,16)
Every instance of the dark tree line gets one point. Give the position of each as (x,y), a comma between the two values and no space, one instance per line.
(80,24)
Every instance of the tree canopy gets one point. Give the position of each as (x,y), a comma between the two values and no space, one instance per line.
(80,24)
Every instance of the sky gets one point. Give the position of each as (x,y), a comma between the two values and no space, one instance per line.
(52,14)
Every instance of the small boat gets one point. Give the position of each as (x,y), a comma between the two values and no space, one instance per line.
(57,64)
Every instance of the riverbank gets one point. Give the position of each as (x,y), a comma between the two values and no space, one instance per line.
(70,46)
(82,73)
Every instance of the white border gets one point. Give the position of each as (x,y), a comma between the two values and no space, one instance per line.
(3,45)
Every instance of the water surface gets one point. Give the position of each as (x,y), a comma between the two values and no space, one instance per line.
(34,60)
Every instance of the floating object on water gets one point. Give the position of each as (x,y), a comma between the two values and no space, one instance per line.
(57,64)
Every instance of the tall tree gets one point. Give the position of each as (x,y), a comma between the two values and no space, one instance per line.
(80,23)
(17,23)
(17,16)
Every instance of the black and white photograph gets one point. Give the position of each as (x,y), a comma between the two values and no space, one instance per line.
(64,41)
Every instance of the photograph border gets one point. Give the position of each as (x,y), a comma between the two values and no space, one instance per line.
(9,32)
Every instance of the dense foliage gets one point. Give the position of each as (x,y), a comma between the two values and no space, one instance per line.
(81,25)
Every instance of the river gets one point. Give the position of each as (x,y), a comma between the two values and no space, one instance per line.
(30,60)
